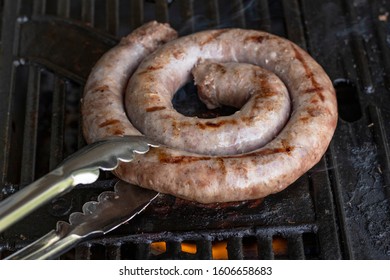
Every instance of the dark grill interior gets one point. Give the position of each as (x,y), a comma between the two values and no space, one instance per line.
(338,210)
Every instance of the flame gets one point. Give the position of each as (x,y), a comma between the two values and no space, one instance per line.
(158,248)
(219,251)
(219,248)
(279,246)
(188,247)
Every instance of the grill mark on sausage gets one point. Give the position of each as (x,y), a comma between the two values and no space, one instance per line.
(266,152)
(109,122)
(165,158)
(314,112)
(310,75)
(317,111)
(264,92)
(175,129)
(150,68)
(248,120)
(215,124)
(178,53)
(155,108)
(304,119)
(213,36)
(255,39)
(221,165)
(153,68)
(202,125)
(118,132)
(220,68)
(314,89)
(287,147)
(101,88)
(314,101)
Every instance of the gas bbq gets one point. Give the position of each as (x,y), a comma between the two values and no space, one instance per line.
(340,209)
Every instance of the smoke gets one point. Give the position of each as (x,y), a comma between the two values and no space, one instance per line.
(232,14)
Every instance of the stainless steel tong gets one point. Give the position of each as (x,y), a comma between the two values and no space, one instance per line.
(98,217)
(80,168)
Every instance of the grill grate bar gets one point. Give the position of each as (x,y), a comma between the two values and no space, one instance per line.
(13,153)
(265,247)
(382,142)
(381,30)
(295,247)
(143,251)
(113,252)
(137,13)
(358,49)
(294,25)
(83,252)
(327,225)
(88,11)
(80,138)
(39,7)
(265,19)
(204,251)
(63,8)
(78,91)
(173,249)
(234,247)
(161,10)
(57,123)
(336,176)
(30,125)
(10,12)
(187,14)
(212,12)
(1,16)
(112,16)
(239,13)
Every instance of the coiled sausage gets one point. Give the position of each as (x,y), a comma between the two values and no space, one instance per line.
(206,177)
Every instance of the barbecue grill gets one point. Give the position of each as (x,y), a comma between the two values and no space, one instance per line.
(340,209)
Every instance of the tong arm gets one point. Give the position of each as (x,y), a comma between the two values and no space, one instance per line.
(36,194)
(48,245)
(82,167)
(111,210)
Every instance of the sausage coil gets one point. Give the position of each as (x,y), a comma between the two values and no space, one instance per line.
(286,119)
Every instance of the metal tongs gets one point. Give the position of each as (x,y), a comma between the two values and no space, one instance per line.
(111,210)
(83,167)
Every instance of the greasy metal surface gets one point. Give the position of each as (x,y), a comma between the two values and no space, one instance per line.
(340,209)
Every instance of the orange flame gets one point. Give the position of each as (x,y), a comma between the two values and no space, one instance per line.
(279,246)
(219,251)
(219,248)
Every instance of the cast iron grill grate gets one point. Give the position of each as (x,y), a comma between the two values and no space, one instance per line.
(339,209)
